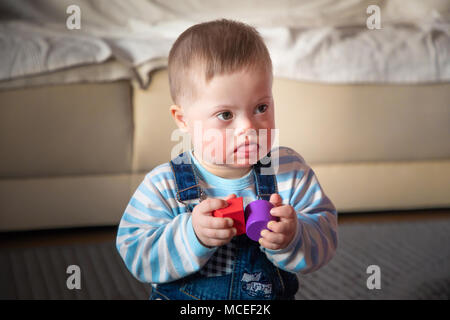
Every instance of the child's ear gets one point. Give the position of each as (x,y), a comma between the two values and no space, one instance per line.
(177,113)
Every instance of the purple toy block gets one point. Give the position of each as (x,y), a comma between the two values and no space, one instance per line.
(257,215)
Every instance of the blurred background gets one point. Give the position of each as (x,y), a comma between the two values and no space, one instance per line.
(361,92)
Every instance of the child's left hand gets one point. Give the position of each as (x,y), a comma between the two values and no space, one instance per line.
(283,231)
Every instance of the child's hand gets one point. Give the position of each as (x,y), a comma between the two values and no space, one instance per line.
(283,231)
(212,231)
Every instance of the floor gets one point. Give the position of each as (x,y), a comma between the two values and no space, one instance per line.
(33,264)
(108,233)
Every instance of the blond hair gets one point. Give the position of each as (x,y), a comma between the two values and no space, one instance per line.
(214,48)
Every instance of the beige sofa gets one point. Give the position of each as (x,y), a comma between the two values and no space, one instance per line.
(72,155)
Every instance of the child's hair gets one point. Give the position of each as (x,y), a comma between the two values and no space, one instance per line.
(214,48)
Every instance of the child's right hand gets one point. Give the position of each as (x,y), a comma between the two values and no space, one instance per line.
(212,231)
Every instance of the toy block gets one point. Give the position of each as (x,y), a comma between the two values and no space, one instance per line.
(235,211)
(258,215)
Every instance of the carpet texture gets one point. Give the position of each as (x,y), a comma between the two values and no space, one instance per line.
(413,259)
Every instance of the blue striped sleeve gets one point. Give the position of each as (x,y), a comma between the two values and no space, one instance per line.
(315,241)
(155,238)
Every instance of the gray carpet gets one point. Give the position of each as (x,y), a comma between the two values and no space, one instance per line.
(414,259)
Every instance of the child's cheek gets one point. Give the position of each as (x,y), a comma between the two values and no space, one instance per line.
(213,144)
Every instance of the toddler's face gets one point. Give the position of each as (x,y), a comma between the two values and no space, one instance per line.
(231,119)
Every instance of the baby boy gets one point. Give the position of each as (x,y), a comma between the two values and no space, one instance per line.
(220,76)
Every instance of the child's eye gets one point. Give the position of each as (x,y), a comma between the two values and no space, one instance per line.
(262,108)
(227,115)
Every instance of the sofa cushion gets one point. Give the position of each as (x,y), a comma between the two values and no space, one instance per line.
(66,130)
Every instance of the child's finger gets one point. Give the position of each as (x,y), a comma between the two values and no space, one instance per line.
(217,242)
(268,245)
(210,222)
(275,199)
(273,237)
(231,196)
(210,204)
(280,227)
(220,234)
(285,212)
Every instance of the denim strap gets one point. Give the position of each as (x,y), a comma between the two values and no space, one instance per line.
(186,182)
(266,184)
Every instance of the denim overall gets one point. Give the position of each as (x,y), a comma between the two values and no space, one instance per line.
(253,277)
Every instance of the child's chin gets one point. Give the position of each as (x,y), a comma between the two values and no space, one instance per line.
(242,165)
(243,162)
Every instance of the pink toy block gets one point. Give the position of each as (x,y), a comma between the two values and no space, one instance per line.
(235,211)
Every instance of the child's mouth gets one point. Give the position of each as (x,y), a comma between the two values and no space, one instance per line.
(246,149)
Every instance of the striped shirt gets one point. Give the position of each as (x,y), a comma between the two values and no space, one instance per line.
(158,244)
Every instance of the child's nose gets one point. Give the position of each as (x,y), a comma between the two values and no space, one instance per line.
(244,126)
